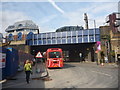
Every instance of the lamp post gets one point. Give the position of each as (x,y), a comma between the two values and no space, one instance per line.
(95,47)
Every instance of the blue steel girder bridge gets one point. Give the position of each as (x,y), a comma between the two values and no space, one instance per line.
(72,43)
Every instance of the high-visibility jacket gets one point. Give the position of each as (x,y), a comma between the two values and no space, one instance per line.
(28,67)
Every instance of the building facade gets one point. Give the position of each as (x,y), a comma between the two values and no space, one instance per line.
(18,32)
(114,23)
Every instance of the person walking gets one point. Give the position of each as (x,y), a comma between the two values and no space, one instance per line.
(102,58)
(80,55)
(28,70)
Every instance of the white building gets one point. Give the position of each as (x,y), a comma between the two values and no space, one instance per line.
(18,32)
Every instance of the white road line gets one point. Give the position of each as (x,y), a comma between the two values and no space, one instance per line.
(3,81)
(102,73)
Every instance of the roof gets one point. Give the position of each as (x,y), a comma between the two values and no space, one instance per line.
(26,24)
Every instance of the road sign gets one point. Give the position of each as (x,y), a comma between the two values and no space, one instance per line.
(39,55)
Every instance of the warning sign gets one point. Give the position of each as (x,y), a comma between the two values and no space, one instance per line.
(39,55)
(2,60)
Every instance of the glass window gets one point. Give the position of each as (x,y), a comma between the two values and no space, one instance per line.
(19,36)
(73,39)
(97,31)
(35,42)
(64,34)
(35,36)
(39,36)
(30,35)
(68,40)
(79,32)
(48,41)
(44,41)
(73,33)
(53,41)
(43,35)
(10,37)
(97,37)
(53,35)
(68,33)
(63,40)
(91,38)
(85,38)
(39,42)
(30,42)
(79,39)
(54,55)
(85,32)
(91,32)
(58,34)
(48,35)
(58,40)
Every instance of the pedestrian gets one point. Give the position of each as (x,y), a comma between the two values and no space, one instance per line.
(28,70)
(102,57)
(106,59)
(80,55)
(34,62)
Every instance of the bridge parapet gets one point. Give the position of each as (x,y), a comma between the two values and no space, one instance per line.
(67,37)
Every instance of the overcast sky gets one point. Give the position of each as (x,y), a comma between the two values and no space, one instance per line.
(51,15)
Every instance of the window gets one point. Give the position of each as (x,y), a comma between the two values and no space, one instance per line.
(58,40)
(44,41)
(68,40)
(19,36)
(44,35)
(79,32)
(39,42)
(91,32)
(35,42)
(53,41)
(85,38)
(20,25)
(91,38)
(10,27)
(39,36)
(97,31)
(48,35)
(68,33)
(63,40)
(74,39)
(64,34)
(58,34)
(48,41)
(10,37)
(85,32)
(79,39)
(29,36)
(53,35)
(97,37)
(54,55)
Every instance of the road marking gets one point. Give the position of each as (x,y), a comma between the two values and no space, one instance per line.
(102,73)
(3,81)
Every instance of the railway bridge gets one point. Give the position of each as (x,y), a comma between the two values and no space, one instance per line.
(72,42)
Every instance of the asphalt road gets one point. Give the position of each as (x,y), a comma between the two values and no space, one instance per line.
(72,75)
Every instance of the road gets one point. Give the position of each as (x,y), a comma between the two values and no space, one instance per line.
(72,75)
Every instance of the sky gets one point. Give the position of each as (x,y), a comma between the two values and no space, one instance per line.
(50,15)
